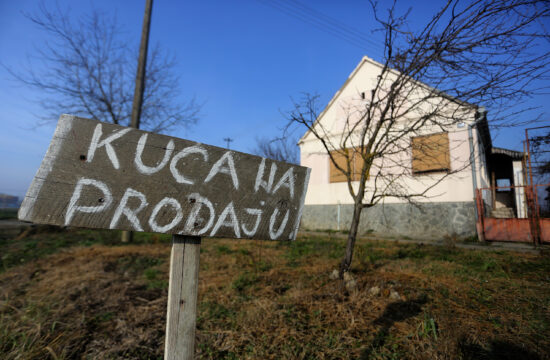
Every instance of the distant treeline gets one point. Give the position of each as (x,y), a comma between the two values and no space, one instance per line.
(9,201)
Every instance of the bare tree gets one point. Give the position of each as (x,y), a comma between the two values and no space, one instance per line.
(484,52)
(539,161)
(88,69)
(282,149)
(540,155)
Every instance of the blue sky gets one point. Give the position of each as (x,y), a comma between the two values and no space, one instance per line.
(243,59)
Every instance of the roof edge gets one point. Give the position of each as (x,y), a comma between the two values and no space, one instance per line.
(516,155)
(363,60)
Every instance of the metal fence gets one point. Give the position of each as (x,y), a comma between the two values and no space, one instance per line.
(514,213)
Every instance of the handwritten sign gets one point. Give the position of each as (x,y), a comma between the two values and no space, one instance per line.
(100,175)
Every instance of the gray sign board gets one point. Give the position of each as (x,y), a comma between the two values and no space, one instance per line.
(100,175)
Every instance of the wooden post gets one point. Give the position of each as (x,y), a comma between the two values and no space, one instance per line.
(128,236)
(182,298)
(494,191)
(142,64)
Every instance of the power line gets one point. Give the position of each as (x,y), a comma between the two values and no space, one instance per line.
(323,22)
(312,21)
(337,24)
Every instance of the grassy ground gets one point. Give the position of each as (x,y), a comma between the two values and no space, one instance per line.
(79,294)
(8,214)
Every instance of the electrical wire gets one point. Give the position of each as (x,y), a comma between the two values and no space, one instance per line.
(323,22)
(337,24)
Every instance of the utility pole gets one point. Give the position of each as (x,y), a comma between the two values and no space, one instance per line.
(228,140)
(142,64)
(127,236)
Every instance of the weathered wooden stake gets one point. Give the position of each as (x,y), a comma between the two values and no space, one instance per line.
(182,298)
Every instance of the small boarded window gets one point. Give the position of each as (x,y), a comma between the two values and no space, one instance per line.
(356,164)
(431,153)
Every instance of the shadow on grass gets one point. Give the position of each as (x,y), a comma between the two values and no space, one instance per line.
(497,350)
(394,312)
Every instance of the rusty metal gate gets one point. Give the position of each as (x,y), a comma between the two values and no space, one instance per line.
(528,222)
(519,212)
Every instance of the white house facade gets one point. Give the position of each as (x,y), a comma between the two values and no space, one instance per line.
(448,206)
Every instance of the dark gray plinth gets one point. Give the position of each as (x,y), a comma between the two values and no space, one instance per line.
(425,221)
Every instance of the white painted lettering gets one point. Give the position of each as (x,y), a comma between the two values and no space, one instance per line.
(167,201)
(96,144)
(148,170)
(275,234)
(130,214)
(187,151)
(104,202)
(229,211)
(229,169)
(288,181)
(258,214)
(193,221)
(293,233)
(260,182)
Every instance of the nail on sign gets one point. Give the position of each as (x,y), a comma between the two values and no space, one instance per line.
(100,175)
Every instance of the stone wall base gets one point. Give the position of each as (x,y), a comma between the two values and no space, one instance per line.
(430,221)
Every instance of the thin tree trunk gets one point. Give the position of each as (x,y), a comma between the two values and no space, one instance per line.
(352,236)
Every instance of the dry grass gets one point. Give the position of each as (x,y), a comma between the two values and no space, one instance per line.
(266,300)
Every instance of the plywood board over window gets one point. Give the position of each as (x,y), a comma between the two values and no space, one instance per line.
(356,165)
(430,153)
(335,174)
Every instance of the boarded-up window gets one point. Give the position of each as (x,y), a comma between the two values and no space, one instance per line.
(356,164)
(431,153)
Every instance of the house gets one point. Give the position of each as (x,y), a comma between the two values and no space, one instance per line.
(460,158)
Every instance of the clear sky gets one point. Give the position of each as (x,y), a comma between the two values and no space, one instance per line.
(243,59)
